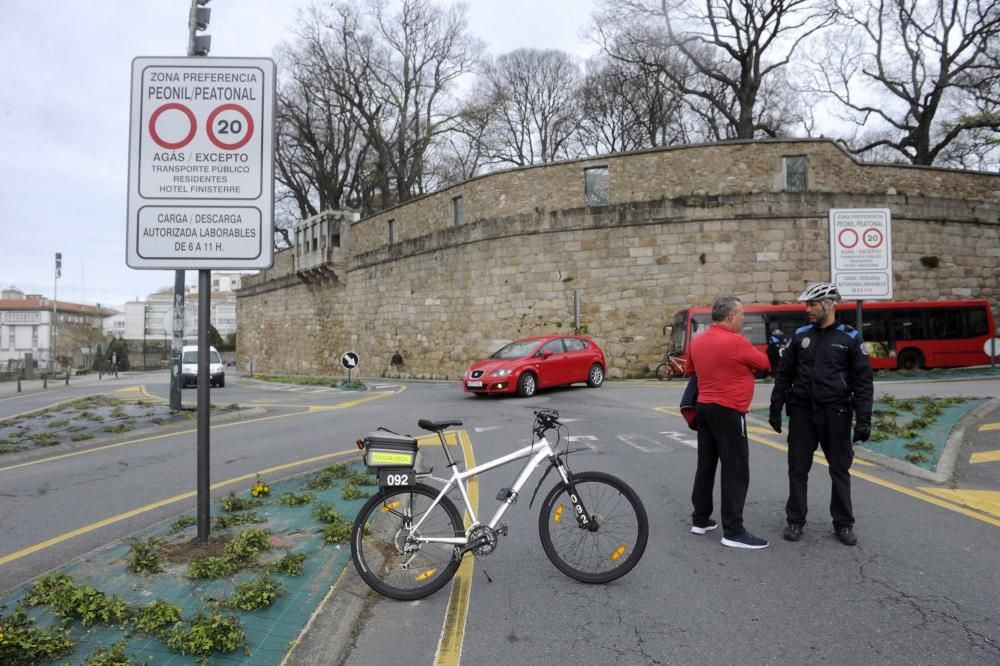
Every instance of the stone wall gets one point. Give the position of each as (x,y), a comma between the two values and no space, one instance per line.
(692,223)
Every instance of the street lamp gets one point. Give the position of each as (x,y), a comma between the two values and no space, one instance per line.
(55,301)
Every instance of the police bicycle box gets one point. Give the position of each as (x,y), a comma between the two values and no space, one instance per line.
(394,457)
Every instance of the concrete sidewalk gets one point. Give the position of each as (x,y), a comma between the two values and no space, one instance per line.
(26,386)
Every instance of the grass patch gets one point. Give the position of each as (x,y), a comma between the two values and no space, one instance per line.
(291,499)
(81,436)
(234,519)
(292,564)
(144,556)
(234,503)
(117,428)
(44,439)
(183,523)
(255,594)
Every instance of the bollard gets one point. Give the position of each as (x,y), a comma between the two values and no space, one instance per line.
(18,384)
(67,378)
(45,381)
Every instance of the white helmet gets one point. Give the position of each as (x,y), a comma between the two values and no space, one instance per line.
(821,291)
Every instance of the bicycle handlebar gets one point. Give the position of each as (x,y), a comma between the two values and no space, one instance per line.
(545,419)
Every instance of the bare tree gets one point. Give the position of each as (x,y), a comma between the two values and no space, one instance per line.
(734,49)
(390,73)
(919,79)
(320,150)
(629,105)
(526,104)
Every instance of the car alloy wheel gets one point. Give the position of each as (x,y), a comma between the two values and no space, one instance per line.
(596,376)
(527,385)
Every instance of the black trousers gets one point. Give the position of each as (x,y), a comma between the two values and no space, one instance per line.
(722,436)
(830,427)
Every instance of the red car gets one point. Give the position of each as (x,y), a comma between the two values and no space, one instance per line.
(526,365)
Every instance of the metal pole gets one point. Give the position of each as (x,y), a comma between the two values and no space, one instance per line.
(576,310)
(55,301)
(860,322)
(204,291)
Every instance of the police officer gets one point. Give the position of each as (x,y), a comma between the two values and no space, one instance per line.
(824,374)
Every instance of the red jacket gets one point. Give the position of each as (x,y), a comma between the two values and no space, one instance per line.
(725,362)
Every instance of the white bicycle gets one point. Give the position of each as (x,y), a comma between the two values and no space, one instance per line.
(409,539)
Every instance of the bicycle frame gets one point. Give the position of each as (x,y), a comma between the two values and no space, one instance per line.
(544,451)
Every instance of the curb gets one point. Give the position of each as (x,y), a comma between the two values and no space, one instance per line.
(329,634)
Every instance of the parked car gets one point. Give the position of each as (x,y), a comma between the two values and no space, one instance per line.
(526,365)
(189,367)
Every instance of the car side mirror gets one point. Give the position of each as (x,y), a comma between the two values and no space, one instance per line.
(546,354)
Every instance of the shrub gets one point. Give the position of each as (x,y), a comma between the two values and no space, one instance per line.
(144,556)
(255,594)
(206,634)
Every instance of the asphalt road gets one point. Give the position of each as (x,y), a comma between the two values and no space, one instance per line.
(921,587)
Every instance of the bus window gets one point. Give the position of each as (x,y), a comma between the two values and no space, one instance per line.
(700,324)
(788,322)
(944,324)
(754,329)
(875,334)
(678,332)
(976,322)
(908,325)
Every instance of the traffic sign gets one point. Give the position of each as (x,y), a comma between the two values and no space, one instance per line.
(350,360)
(201,159)
(992,347)
(861,253)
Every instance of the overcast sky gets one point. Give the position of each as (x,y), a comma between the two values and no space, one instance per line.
(64,118)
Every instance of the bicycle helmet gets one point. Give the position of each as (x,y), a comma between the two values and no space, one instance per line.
(821,291)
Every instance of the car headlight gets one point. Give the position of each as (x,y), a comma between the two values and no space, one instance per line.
(502,372)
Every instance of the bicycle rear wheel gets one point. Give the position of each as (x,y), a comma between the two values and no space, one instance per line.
(391,566)
(613,543)
(663,372)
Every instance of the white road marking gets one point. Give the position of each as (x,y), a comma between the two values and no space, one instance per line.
(585,440)
(682,437)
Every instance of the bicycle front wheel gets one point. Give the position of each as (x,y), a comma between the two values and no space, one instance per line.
(391,564)
(663,371)
(612,541)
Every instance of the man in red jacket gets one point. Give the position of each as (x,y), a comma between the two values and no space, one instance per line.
(724,362)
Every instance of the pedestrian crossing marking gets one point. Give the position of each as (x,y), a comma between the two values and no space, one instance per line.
(985,456)
(987,501)
(989,426)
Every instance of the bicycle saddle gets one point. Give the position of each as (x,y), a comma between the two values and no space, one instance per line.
(437,426)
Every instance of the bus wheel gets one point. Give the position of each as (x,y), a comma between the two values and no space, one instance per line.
(910,360)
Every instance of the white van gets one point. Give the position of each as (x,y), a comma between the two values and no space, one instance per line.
(189,367)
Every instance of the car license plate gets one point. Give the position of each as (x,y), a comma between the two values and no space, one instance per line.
(396,477)
(474,384)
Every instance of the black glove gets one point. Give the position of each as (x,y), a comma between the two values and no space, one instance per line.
(775,418)
(862,431)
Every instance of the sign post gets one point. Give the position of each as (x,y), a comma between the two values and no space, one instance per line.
(350,360)
(201,187)
(992,349)
(861,254)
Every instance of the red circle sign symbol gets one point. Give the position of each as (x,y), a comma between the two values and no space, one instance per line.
(230,127)
(848,238)
(160,141)
(872,237)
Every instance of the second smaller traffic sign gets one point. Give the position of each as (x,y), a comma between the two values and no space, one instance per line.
(350,360)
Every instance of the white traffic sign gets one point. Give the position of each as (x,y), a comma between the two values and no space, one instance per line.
(992,347)
(350,360)
(201,163)
(861,253)
(188,319)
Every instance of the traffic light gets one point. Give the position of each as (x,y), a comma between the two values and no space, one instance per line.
(199,45)
(58,264)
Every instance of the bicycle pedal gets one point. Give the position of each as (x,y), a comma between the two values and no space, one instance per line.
(502,530)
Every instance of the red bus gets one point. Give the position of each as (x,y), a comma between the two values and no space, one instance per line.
(898,334)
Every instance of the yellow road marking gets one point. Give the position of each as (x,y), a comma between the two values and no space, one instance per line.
(901,489)
(449,651)
(155,505)
(987,501)
(989,426)
(985,456)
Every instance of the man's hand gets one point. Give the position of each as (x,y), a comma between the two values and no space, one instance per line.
(775,418)
(862,431)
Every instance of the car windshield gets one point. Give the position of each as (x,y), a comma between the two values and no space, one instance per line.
(518,349)
(192,357)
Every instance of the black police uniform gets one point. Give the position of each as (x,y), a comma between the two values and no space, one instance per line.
(824,374)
